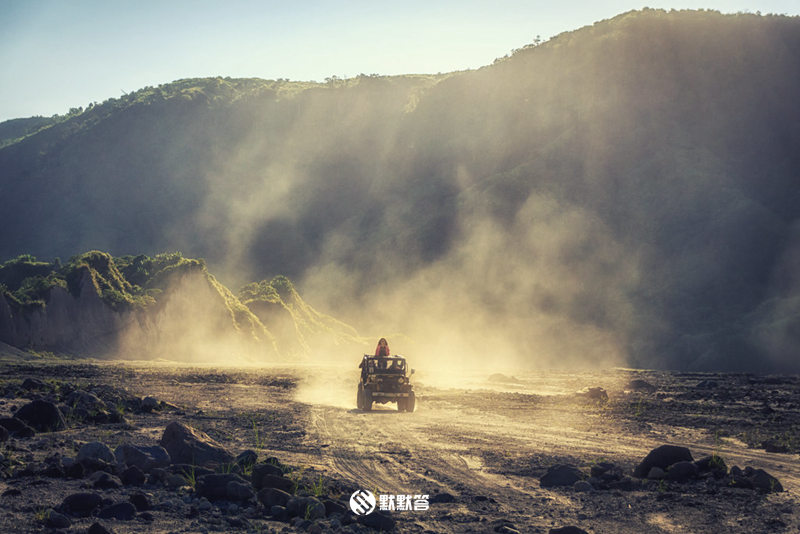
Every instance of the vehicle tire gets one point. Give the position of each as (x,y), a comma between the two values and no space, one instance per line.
(367,400)
(411,402)
(401,404)
(360,398)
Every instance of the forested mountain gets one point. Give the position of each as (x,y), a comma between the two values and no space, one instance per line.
(628,192)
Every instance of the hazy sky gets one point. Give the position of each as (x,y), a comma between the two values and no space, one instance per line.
(59,54)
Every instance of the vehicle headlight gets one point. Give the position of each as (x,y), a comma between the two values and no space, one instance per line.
(401,380)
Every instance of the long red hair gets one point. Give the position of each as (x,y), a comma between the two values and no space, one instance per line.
(379,347)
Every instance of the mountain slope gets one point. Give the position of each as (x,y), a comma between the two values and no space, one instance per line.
(140,307)
(625,193)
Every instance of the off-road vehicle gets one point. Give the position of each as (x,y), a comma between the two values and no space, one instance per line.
(385,379)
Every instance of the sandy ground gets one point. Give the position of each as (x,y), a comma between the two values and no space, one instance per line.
(486,443)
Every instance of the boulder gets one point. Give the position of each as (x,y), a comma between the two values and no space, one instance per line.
(594,394)
(191,446)
(713,464)
(261,470)
(334,507)
(637,384)
(145,458)
(17,428)
(3,434)
(216,487)
(306,507)
(103,480)
(149,404)
(378,520)
(567,530)
(81,504)
(561,475)
(270,497)
(246,458)
(98,528)
(42,416)
(123,511)
(132,476)
(441,498)
(663,457)
(57,520)
(281,483)
(279,513)
(140,501)
(31,384)
(91,452)
(682,471)
(763,481)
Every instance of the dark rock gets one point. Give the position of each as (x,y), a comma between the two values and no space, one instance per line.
(81,504)
(334,507)
(261,470)
(98,528)
(281,483)
(772,445)
(309,508)
(441,498)
(582,486)
(74,470)
(663,457)
(656,473)
(53,471)
(637,384)
(42,416)
(623,484)
(123,511)
(91,452)
(682,471)
(104,480)
(149,404)
(240,491)
(33,384)
(500,377)
(186,469)
(246,458)
(378,520)
(601,468)
(279,513)
(11,492)
(3,434)
(140,501)
(56,520)
(763,481)
(17,427)
(215,487)
(270,497)
(147,516)
(594,394)
(145,458)
(132,476)
(561,475)
(713,464)
(567,530)
(187,445)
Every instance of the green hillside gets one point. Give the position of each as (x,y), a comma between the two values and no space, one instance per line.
(625,193)
(137,302)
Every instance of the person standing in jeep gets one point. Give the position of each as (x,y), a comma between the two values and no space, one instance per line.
(383,348)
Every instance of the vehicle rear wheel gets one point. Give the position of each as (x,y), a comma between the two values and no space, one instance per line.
(401,404)
(367,400)
(411,401)
(360,398)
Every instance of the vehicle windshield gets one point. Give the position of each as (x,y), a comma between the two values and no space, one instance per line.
(387,365)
